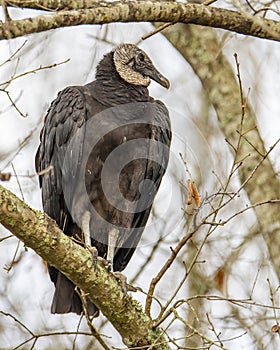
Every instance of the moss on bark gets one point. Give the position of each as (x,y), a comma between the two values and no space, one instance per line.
(40,232)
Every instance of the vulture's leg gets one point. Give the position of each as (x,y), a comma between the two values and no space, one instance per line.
(122,281)
(85,228)
(112,241)
(86,237)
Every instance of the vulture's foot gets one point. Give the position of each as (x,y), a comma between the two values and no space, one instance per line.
(125,287)
(94,253)
(104,262)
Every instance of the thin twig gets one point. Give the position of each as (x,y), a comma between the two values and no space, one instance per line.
(35,70)
(156,30)
(14,54)
(92,329)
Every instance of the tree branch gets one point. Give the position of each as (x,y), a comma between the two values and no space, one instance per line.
(40,232)
(92,12)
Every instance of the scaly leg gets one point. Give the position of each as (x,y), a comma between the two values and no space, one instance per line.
(85,228)
(112,241)
(86,237)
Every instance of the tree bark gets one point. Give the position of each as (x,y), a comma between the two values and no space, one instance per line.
(72,13)
(40,232)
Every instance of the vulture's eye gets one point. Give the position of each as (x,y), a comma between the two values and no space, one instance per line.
(141,57)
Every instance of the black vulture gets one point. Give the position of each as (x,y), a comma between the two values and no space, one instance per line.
(103,151)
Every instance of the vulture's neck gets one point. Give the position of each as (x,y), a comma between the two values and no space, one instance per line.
(110,89)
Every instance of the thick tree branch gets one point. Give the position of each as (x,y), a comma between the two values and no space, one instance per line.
(92,12)
(41,233)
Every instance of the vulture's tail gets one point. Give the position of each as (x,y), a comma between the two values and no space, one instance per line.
(66,300)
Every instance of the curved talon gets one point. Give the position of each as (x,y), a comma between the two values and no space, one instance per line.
(110,265)
(103,261)
(125,287)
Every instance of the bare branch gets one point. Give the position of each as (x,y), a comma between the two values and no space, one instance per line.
(53,65)
(34,337)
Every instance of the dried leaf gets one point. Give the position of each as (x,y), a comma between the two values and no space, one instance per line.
(192,194)
(189,186)
(220,279)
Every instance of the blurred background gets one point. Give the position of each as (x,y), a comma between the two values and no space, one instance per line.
(223,284)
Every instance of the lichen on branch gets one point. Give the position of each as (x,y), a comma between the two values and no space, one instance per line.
(65,14)
(39,232)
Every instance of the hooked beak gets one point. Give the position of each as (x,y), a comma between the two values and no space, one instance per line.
(154,74)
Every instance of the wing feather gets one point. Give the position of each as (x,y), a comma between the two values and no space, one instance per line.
(158,148)
(64,119)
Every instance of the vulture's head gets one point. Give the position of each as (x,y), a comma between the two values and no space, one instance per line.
(135,67)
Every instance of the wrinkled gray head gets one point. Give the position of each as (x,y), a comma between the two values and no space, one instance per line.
(135,66)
